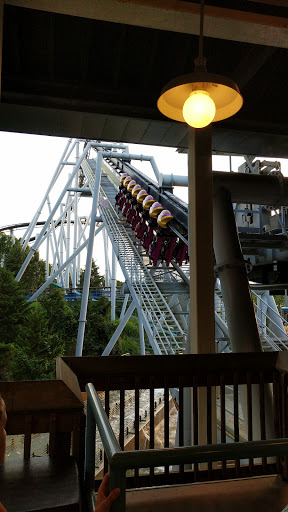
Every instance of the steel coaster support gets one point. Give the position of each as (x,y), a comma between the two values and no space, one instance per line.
(75,241)
(106,253)
(57,255)
(230,267)
(87,275)
(68,230)
(113,287)
(119,330)
(124,305)
(27,234)
(95,188)
(141,338)
(59,270)
(50,217)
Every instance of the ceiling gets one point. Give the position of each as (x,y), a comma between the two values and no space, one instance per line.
(95,69)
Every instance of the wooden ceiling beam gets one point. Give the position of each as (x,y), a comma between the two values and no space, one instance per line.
(215,12)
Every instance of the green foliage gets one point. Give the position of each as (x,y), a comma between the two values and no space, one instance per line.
(33,335)
(13,306)
(279,299)
(63,320)
(99,328)
(129,340)
(6,355)
(96,280)
(13,256)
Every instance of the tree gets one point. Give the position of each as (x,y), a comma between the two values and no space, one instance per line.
(99,328)
(13,256)
(62,319)
(13,307)
(96,280)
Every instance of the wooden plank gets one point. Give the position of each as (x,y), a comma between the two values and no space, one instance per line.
(236,418)
(244,15)
(41,395)
(94,369)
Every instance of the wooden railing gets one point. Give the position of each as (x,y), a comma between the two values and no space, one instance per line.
(53,481)
(206,376)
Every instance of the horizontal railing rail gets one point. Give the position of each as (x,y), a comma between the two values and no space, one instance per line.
(120,461)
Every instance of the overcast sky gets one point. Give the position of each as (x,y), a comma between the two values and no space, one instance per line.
(27,163)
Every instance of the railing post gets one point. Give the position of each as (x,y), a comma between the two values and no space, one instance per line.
(117,478)
(90,456)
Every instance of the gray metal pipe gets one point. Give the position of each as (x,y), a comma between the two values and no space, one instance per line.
(240,314)
(232,273)
(253,188)
(248,188)
(87,275)
(142,158)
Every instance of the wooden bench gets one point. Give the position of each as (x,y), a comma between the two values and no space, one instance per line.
(51,482)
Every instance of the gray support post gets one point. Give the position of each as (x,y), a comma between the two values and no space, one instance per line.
(113,286)
(60,269)
(141,338)
(75,241)
(68,230)
(119,329)
(57,204)
(55,243)
(126,297)
(231,269)
(26,236)
(47,256)
(107,269)
(238,301)
(87,275)
(275,324)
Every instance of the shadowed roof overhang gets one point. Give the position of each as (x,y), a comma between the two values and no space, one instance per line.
(96,69)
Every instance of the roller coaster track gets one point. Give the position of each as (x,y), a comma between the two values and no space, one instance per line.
(138,278)
(164,332)
(160,292)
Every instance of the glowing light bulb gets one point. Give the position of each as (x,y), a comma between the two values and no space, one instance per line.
(199,109)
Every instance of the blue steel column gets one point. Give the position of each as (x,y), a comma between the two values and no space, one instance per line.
(86,284)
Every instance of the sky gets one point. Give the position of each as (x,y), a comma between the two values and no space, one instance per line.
(27,163)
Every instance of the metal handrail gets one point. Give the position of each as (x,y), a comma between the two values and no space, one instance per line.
(268,339)
(121,461)
(269,307)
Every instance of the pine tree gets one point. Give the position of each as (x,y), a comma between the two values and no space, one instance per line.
(13,307)
(96,280)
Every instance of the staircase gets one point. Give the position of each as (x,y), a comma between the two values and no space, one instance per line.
(164,332)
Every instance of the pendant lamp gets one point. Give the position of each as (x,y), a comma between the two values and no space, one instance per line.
(200,98)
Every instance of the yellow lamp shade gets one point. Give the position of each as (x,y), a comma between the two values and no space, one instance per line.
(223,91)
(199,109)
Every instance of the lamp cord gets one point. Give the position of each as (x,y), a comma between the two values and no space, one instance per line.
(200,53)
